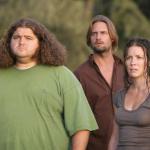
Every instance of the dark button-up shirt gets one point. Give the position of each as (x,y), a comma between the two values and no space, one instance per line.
(99,95)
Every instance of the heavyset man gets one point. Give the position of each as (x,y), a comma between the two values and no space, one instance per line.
(42,104)
(101,77)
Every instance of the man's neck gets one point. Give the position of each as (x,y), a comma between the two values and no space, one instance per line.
(104,59)
(23,66)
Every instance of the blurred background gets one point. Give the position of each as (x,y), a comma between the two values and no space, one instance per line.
(70,19)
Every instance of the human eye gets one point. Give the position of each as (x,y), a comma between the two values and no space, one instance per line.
(15,37)
(29,38)
(94,33)
(103,32)
(128,57)
(139,57)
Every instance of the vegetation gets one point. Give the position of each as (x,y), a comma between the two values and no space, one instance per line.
(69,20)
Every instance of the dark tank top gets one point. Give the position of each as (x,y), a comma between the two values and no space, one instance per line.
(134,125)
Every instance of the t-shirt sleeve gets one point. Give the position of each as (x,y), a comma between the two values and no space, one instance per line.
(77,112)
(146,103)
(117,100)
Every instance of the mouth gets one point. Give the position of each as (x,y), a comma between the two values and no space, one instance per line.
(99,43)
(21,48)
(133,70)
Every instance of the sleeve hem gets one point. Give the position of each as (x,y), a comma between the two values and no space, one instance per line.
(91,129)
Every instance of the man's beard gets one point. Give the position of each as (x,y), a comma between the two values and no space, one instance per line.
(35,56)
(100,50)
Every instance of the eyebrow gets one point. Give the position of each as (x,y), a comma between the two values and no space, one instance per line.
(100,31)
(24,36)
(136,55)
(94,32)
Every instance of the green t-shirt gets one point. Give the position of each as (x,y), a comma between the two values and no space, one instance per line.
(41,108)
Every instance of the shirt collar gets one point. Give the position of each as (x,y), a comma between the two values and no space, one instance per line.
(116,58)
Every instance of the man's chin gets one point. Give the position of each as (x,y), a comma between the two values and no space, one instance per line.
(20,56)
(99,51)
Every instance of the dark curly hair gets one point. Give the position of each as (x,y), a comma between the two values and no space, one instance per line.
(145,45)
(51,52)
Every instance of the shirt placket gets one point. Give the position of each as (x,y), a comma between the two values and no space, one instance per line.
(106,85)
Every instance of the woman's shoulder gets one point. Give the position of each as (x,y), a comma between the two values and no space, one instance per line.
(120,92)
(146,103)
(119,97)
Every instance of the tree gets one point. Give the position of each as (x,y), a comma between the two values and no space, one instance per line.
(129,21)
(127,17)
(144,6)
(68,20)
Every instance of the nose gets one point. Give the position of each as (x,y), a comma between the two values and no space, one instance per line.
(21,41)
(98,36)
(133,61)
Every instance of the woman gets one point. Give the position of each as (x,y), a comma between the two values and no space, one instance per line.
(131,130)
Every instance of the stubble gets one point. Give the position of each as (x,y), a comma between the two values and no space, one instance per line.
(26,58)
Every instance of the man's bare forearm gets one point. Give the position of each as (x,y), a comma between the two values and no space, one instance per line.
(80,140)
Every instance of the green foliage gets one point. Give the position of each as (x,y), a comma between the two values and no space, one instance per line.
(130,22)
(144,6)
(69,20)
(128,18)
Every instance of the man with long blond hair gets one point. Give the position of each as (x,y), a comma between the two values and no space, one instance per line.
(101,77)
(42,105)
